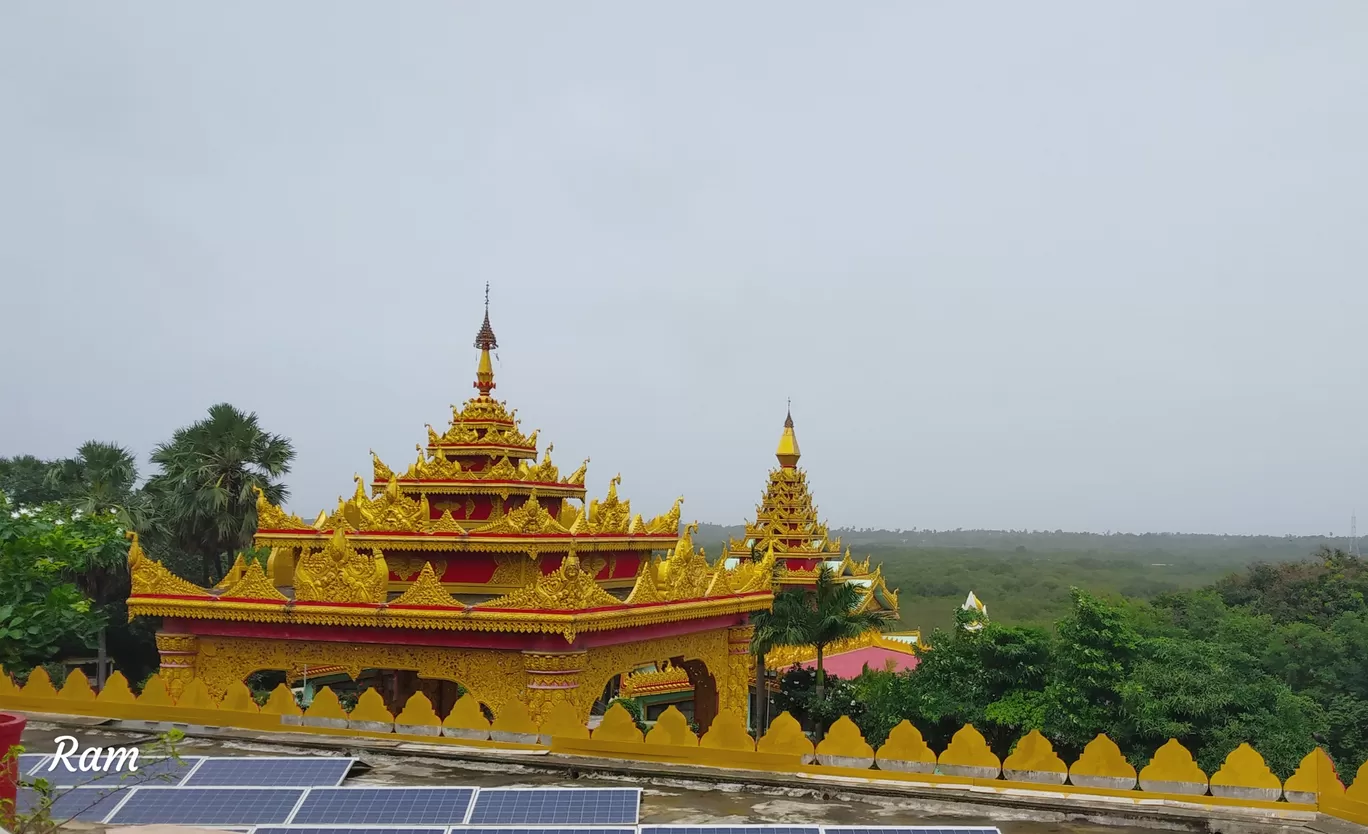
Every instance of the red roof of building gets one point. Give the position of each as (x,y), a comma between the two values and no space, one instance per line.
(850,664)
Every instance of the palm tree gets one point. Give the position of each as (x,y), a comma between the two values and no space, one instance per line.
(782,625)
(830,615)
(102,477)
(206,506)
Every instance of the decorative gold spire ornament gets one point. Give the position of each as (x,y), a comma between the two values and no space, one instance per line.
(787,452)
(485,341)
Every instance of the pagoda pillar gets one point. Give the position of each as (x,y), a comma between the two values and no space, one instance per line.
(734,689)
(179,657)
(551,677)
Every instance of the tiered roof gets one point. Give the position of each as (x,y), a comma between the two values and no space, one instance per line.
(787,521)
(477,534)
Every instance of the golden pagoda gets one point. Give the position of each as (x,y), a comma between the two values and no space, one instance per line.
(479,564)
(786,522)
(787,530)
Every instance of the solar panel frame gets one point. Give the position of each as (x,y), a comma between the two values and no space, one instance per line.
(128,778)
(133,814)
(298,818)
(35,761)
(118,795)
(541,822)
(354,829)
(351,828)
(200,778)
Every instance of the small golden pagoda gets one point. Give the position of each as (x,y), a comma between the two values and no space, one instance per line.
(478,565)
(786,521)
(787,530)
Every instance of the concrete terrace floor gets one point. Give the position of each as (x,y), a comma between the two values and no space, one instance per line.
(664,800)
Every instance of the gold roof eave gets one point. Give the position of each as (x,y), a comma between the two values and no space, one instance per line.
(494,542)
(447,619)
(435,486)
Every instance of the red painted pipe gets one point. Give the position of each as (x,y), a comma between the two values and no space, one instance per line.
(11,728)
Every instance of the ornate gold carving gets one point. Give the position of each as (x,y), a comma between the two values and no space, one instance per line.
(669,522)
(492,676)
(150,578)
(271,517)
(567,588)
(577,477)
(382,472)
(445,524)
(253,584)
(427,590)
(686,574)
(665,677)
(338,573)
(610,515)
(407,567)
(646,590)
(514,569)
(531,517)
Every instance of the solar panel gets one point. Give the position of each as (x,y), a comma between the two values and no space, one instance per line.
(208,806)
(730,829)
(383,806)
(29,761)
(556,806)
(271,771)
(343,829)
(83,804)
(166,772)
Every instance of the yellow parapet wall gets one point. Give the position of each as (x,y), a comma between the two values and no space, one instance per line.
(1243,780)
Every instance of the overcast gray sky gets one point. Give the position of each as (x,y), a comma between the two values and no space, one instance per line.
(1081,265)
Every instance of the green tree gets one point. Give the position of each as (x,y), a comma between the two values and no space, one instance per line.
(25,479)
(205,503)
(782,625)
(43,612)
(829,614)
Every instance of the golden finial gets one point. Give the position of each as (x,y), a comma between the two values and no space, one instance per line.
(485,342)
(787,452)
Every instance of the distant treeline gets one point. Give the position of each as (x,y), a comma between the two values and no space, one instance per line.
(1025,577)
(1272,548)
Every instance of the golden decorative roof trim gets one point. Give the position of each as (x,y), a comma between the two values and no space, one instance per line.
(663,679)
(426,590)
(531,517)
(149,577)
(782,657)
(338,573)
(447,619)
(253,584)
(271,517)
(567,588)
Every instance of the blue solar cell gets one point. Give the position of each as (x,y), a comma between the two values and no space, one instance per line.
(269,771)
(556,806)
(208,806)
(342,829)
(84,804)
(384,806)
(165,772)
(29,761)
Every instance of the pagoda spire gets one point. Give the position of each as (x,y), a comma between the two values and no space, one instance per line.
(485,341)
(787,452)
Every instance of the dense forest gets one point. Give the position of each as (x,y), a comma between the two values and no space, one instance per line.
(1025,576)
